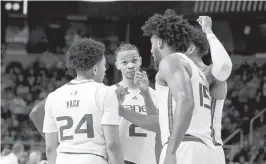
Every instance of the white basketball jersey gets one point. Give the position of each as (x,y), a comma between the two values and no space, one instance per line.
(138,144)
(78,118)
(217,114)
(201,119)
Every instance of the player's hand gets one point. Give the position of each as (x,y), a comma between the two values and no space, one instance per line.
(142,80)
(121,94)
(206,23)
(170,159)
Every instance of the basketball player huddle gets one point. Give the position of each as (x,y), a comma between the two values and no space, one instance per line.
(86,122)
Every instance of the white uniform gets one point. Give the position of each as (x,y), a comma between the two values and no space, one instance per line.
(189,152)
(77,112)
(9,159)
(138,144)
(217,113)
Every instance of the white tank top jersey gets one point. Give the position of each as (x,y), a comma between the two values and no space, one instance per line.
(201,119)
(138,144)
(217,114)
(77,112)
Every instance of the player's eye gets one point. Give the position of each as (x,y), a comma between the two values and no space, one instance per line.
(124,62)
(135,60)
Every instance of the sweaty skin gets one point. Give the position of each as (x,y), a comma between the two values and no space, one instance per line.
(175,73)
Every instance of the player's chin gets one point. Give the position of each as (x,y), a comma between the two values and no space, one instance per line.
(130,76)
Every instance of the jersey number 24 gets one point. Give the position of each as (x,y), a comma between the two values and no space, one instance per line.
(86,119)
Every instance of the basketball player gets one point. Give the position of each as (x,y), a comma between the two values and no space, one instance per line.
(180,83)
(81,118)
(138,144)
(218,88)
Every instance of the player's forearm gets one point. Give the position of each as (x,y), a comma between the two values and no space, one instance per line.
(182,119)
(37,117)
(51,155)
(150,107)
(222,64)
(115,154)
(147,122)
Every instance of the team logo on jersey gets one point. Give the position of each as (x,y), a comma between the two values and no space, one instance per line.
(74,92)
(135,98)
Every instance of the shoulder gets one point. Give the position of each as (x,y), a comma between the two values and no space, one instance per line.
(174,63)
(114,87)
(49,99)
(103,90)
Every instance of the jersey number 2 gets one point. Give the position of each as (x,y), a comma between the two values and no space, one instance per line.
(87,118)
(132,132)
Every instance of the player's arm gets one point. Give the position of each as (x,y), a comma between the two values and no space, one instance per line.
(37,116)
(51,143)
(142,79)
(222,64)
(177,75)
(110,122)
(218,89)
(149,103)
(148,122)
(51,133)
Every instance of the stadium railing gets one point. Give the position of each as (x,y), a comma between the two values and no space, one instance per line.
(251,128)
(231,136)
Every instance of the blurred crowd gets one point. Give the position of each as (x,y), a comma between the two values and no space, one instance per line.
(246,98)
(22,88)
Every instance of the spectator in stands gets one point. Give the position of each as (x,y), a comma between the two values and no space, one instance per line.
(14,156)
(35,157)
(242,160)
(5,152)
(24,158)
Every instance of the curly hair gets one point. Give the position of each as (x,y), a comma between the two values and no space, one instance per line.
(199,38)
(84,54)
(126,47)
(170,27)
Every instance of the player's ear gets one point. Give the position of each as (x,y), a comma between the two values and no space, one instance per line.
(160,43)
(140,60)
(117,66)
(94,70)
(191,50)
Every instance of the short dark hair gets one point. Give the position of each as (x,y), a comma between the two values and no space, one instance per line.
(126,47)
(84,54)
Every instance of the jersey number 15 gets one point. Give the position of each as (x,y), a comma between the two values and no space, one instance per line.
(203,91)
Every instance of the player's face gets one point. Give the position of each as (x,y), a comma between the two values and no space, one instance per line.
(128,62)
(101,70)
(155,51)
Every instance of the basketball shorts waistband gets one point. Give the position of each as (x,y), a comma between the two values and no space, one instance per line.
(83,153)
(189,137)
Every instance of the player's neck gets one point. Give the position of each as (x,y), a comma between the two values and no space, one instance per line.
(198,61)
(81,78)
(128,83)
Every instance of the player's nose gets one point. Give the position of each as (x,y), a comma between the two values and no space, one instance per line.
(130,65)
